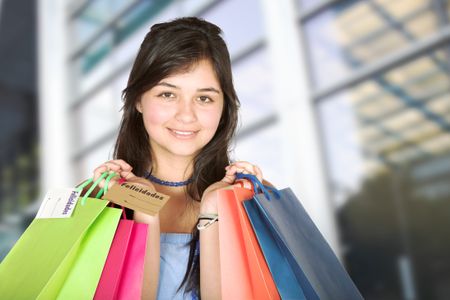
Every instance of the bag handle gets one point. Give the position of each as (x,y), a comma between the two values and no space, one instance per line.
(258,187)
(103,191)
(93,186)
(88,181)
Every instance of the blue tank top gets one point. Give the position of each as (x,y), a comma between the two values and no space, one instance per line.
(174,254)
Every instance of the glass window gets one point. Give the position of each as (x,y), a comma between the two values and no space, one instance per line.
(262,148)
(189,7)
(140,14)
(307,4)
(93,159)
(131,21)
(353,33)
(252,78)
(96,52)
(108,67)
(9,235)
(387,143)
(94,16)
(96,118)
(243,28)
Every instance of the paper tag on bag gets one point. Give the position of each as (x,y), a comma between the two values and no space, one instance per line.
(58,203)
(136,197)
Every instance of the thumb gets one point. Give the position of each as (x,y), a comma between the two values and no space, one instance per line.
(127,175)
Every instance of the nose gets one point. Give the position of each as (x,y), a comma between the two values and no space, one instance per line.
(186,112)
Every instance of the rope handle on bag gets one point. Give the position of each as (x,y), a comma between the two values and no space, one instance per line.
(94,185)
(102,191)
(258,186)
(84,184)
(105,187)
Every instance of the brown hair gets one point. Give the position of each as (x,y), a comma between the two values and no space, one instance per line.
(169,48)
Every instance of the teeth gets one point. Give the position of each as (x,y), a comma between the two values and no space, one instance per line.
(183,132)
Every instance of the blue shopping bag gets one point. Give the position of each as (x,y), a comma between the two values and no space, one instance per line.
(282,273)
(288,236)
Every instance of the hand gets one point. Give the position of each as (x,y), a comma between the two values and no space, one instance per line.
(209,198)
(242,167)
(122,169)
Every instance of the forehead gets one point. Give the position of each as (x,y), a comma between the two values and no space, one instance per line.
(198,72)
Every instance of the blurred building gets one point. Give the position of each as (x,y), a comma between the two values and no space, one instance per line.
(347,102)
(19,141)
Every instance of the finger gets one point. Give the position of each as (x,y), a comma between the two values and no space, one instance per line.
(111,177)
(230,175)
(243,164)
(128,175)
(101,184)
(99,171)
(243,171)
(122,164)
(113,181)
(106,167)
(258,174)
(229,178)
(112,166)
(231,170)
(247,166)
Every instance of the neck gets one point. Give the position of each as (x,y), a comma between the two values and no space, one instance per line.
(172,168)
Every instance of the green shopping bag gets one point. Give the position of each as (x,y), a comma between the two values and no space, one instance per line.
(61,258)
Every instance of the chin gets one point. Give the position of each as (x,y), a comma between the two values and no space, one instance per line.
(186,153)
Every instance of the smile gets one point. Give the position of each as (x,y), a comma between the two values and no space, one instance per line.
(182,134)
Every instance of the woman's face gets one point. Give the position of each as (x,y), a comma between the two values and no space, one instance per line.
(182,112)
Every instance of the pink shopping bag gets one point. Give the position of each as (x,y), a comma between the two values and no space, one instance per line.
(123,272)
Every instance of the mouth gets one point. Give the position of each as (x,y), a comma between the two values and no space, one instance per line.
(182,134)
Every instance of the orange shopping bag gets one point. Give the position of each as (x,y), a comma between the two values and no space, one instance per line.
(244,271)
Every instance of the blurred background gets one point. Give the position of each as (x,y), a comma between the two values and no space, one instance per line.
(346,102)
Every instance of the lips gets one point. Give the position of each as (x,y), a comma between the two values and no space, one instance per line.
(183,134)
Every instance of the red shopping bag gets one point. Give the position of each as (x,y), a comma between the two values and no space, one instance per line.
(244,272)
(123,272)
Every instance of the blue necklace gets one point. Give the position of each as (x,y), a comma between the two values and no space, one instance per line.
(166,183)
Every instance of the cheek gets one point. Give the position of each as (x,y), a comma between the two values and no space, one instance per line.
(155,115)
(212,119)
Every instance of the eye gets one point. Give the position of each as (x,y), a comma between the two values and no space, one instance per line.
(166,95)
(205,99)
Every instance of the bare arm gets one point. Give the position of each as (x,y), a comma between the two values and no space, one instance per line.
(151,263)
(210,286)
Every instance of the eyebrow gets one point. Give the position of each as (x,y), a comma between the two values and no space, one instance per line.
(208,89)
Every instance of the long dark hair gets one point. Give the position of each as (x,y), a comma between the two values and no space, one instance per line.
(169,48)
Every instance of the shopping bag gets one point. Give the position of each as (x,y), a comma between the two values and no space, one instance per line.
(60,258)
(244,272)
(122,276)
(280,268)
(289,228)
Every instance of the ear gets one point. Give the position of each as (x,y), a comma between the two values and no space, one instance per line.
(139,106)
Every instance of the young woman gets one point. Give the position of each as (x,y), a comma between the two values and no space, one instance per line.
(179,116)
